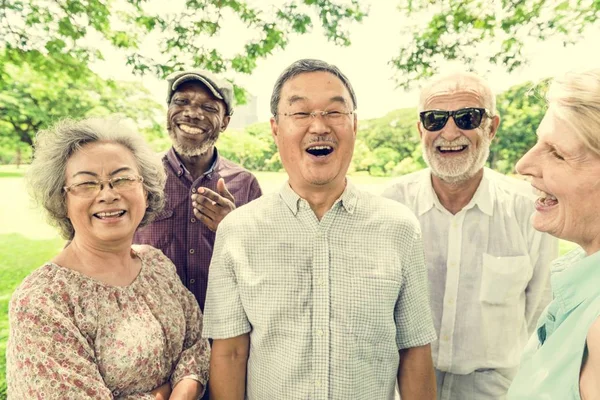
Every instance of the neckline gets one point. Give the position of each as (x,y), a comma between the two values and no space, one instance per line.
(97,282)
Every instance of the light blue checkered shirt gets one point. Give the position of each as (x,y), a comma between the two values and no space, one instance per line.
(328,303)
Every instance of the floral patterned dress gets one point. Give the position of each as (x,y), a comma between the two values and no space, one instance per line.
(72,337)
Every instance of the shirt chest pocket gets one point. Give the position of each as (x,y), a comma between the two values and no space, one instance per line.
(504,279)
(370,309)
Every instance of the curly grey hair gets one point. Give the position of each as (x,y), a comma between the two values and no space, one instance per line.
(55,145)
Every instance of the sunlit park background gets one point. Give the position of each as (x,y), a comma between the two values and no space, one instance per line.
(77,58)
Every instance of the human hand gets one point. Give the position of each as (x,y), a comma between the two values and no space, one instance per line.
(211,207)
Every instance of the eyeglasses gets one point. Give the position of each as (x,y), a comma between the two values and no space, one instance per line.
(465,118)
(92,188)
(333,117)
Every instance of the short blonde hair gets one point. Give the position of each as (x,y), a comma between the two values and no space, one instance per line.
(55,145)
(575,97)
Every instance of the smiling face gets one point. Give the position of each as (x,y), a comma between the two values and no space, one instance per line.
(566,175)
(315,152)
(110,216)
(195,119)
(453,154)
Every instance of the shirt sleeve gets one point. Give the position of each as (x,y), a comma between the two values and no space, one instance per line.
(194,360)
(414,322)
(224,315)
(255,191)
(543,249)
(47,355)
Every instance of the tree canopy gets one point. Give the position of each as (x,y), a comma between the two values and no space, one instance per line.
(33,30)
(470,31)
(31,97)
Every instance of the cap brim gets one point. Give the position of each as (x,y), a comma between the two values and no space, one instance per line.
(195,77)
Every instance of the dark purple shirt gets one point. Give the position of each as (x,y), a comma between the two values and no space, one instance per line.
(177,232)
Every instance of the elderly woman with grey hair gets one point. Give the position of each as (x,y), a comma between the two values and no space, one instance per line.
(103,319)
(562,359)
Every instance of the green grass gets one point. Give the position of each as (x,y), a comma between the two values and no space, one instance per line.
(18,257)
(27,241)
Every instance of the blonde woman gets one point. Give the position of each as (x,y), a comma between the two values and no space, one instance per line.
(562,359)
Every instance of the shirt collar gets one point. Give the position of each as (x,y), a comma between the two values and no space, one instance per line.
(483,198)
(348,199)
(180,169)
(575,278)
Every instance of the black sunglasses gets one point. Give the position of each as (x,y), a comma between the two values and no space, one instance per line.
(465,118)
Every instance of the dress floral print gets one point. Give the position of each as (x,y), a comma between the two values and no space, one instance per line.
(72,337)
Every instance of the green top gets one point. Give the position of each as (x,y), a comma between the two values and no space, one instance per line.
(553,357)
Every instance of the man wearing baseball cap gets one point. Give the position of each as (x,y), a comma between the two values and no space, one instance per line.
(202,187)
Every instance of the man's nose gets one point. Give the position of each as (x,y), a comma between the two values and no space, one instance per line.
(450,132)
(318,125)
(193,112)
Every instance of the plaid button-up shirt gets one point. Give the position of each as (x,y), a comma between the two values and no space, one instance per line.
(328,303)
(177,232)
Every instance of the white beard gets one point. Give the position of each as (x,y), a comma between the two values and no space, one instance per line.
(461,168)
(190,150)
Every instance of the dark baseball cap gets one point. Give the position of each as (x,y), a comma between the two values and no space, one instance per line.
(220,88)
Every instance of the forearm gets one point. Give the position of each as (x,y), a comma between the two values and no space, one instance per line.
(416,378)
(187,389)
(228,377)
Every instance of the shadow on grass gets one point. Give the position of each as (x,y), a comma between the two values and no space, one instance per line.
(19,256)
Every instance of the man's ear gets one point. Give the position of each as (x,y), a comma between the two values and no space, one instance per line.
(355,124)
(419,128)
(495,125)
(274,128)
(225,122)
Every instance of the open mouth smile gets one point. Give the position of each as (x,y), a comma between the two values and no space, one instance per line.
(320,150)
(545,200)
(191,130)
(111,215)
(451,149)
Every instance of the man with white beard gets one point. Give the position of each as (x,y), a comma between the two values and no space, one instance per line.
(488,268)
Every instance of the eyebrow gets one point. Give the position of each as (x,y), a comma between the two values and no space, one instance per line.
(335,99)
(338,99)
(116,171)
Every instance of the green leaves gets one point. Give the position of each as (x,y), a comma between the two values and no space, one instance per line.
(37,91)
(61,26)
(477,30)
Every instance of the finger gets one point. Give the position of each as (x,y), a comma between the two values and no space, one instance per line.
(205,210)
(212,196)
(223,191)
(210,224)
(205,200)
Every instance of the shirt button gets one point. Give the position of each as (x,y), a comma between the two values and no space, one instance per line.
(454,224)
(450,301)
(321,282)
(116,393)
(193,220)
(445,338)
(320,332)
(193,190)
(453,264)
(319,234)
(318,383)
(192,281)
(192,251)
(550,317)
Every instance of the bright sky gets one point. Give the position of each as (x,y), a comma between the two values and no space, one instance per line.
(365,62)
